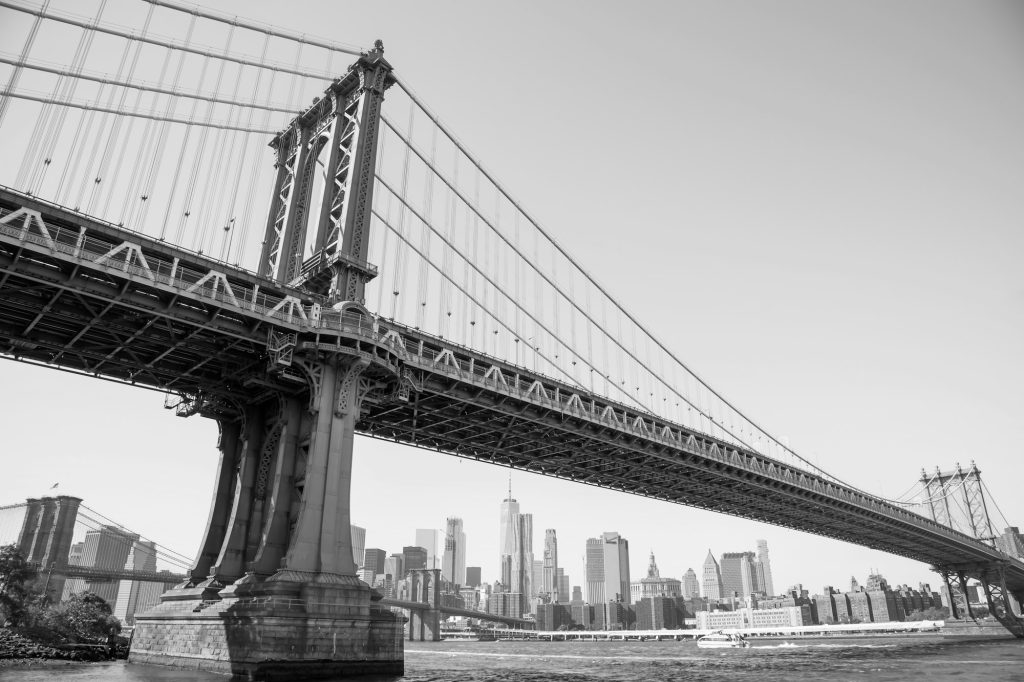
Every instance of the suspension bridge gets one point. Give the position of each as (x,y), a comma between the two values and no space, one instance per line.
(364,273)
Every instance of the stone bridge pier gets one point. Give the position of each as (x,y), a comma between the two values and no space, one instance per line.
(425,587)
(45,538)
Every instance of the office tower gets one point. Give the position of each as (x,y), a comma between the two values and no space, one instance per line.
(472,576)
(691,586)
(764,569)
(516,545)
(358,545)
(616,567)
(373,562)
(430,540)
(595,571)
(536,577)
(394,566)
(134,595)
(105,548)
(507,530)
(737,575)
(453,565)
(562,580)
(712,580)
(414,558)
(549,580)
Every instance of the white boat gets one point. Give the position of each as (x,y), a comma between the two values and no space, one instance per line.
(721,640)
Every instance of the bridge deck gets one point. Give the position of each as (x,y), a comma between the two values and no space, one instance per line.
(91,297)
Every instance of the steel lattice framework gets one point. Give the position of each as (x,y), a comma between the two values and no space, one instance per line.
(94,298)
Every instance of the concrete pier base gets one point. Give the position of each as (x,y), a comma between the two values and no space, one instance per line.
(275,630)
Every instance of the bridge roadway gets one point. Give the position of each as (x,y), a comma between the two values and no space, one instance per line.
(93,298)
(455,611)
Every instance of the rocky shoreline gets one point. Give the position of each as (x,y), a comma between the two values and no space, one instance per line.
(17,649)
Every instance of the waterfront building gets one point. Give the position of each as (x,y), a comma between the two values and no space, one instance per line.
(654,585)
(792,616)
(763,570)
(690,584)
(616,567)
(1011,542)
(430,540)
(737,575)
(358,545)
(414,558)
(552,616)
(884,608)
(712,579)
(473,576)
(659,613)
(536,578)
(842,606)
(860,607)
(453,565)
(549,578)
(508,604)
(826,606)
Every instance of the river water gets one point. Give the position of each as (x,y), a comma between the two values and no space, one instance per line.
(876,659)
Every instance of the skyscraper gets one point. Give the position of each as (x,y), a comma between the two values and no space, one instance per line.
(691,586)
(595,571)
(737,575)
(430,540)
(453,565)
(373,562)
(549,584)
(616,567)
(394,566)
(358,545)
(764,569)
(413,558)
(712,579)
(516,545)
(472,576)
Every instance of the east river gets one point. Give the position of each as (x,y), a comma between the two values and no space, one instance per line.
(877,659)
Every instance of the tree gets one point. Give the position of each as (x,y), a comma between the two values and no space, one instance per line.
(82,616)
(931,613)
(17,579)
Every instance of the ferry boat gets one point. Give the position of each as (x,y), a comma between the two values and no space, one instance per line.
(467,635)
(722,640)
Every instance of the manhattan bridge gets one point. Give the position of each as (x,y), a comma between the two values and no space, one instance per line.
(362,273)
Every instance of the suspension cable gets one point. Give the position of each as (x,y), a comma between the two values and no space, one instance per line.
(164,43)
(96,78)
(260,28)
(136,114)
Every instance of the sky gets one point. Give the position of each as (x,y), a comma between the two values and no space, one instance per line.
(816,205)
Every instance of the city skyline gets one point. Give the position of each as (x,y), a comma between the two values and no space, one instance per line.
(849,260)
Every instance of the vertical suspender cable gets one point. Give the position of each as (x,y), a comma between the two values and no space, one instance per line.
(12,82)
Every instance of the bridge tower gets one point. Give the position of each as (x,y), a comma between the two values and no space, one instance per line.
(45,538)
(956,499)
(425,587)
(273,593)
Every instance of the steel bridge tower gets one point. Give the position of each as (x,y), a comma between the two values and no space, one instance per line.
(274,592)
(957,499)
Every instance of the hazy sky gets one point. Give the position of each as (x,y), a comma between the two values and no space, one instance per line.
(818,205)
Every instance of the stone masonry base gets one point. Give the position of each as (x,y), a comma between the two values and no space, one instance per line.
(271,638)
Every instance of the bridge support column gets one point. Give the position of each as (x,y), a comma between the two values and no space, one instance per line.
(273,593)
